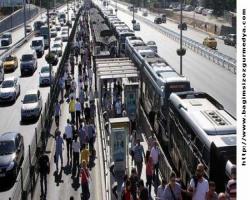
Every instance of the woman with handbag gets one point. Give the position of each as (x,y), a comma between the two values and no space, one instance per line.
(173,189)
(85,177)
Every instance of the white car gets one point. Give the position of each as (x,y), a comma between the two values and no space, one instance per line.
(58,39)
(44,76)
(56,48)
(53,32)
(32,105)
(152,45)
(9,89)
(64,36)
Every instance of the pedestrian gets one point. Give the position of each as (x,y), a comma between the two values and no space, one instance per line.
(82,53)
(86,86)
(173,189)
(134,181)
(83,135)
(76,152)
(149,171)
(139,154)
(125,179)
(87,112)
(73,84)
(154,153)
(44,169)
(126,192)
(78,109)
(72,109)
(72,64)
(143,191)
(231,185)
(57,112)
(160,189)
(118,108)
(62,86)
(92,111)
(212,194)
(69,136)
(85,154)
(68,84)
(90,76)
(85,176)
(91,136)
(198,184)
(80,69)
(59,149)
(81,98)
(222,196)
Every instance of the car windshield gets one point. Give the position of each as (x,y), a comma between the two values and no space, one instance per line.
(7,84)
(7,147)
(151,43)
(56,45)
(30,98)
(9,58)
(64,33)
(57,39)
(45,70)
(27,57)
(6,36)
(36,43)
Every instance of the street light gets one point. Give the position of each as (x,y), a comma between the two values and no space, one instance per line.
(24,16)
(133,21)
(181,51)
(116,7)
(48,22)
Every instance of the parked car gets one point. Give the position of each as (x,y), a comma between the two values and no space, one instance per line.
(152,45)
(28,28)
(10,89)
(28,63)
(157,20)
(136,26)
(210,42)
(31,105)
(56,48)
(10,63)
(11,154)
(44,76)
(230,39)
(6,39)
(183,26)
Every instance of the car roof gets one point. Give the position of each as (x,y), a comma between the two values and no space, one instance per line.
(8,136)
(32,91)
(11,78)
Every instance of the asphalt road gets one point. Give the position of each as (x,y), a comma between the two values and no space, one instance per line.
(204,75)
(11,115)
(191,33)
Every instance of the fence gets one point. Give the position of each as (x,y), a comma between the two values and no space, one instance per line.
(27,176)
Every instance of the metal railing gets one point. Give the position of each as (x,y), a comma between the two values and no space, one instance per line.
(210,54)
(27,176)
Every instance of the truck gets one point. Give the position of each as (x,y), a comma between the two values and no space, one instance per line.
(44,32)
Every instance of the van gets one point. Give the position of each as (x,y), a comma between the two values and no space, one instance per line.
(38,45)
(28,63)
(1,71)
(6,39)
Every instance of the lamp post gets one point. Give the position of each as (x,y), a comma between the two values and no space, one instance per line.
(116,7)
(181,51)
(24,16)
(48,22)
(133,21)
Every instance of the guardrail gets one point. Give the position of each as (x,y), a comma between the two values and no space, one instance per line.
(27,177)
(212,55)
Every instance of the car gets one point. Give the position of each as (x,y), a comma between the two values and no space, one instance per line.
(145,13)
(28,28)
(69,24)
(210,42)
(230,39)
(6,39)
(28,63)
(32,105)
(44,76)
(10,63)
(73,17)
(163,18)
(53,32)
(65,28)
(136,26)
(9,90)
(152,45)
(58,39)
(38,44)
(199,9)
(57,48)
(64,36)
(58,28)
(157,20)
(184,26)
(11,154)
(188,8)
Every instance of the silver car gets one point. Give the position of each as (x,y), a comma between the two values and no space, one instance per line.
(31,105)
(44,76)
(56,48)
(9,89)
(152,45)
(64,36)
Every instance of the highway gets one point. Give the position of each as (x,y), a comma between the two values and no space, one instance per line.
(12,113)
(204,75)
(194,34)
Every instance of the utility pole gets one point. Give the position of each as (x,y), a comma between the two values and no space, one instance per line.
(24,16)
(68,17)
(48,23)
(116,7)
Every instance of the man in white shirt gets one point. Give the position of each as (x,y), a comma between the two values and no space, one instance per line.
(69,137)
(160,190)
(199,185)
(78,112)
(154,153)
(76,153)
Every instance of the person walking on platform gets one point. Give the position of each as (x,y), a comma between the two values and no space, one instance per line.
(76,152)
(59,149)
(72,64)
(69,136)
(139,154)
(81,98)
(85,176)
(80,69)
(91,136)
(68,84)
(92,111)
(90,76)
(87,113)
(149,171)
(154,153)
(72,109)
(231,185)
(173,189)
(118,107)
(44,169)
(85,154)
(126,193)
(160,190)
(57,112)
(62,86)
(83,136)
(143,191)
(78,113)
(134,181)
